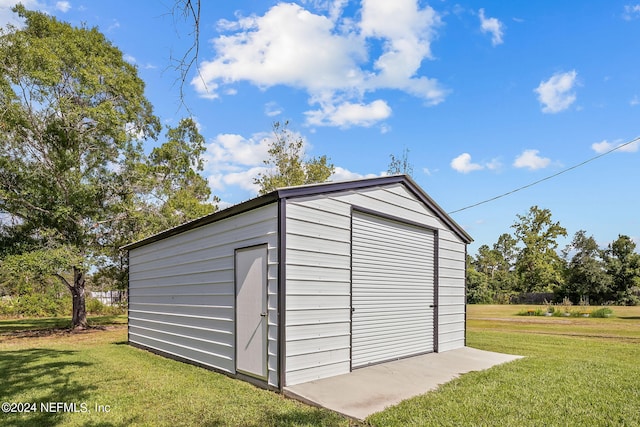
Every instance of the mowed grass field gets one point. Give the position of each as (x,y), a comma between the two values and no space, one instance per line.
(577,371)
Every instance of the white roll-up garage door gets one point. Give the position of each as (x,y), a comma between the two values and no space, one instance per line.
(393,286)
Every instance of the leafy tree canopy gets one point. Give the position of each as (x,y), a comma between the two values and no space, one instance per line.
(538,265)
(287,165)
(622,264)
(71,110)
(585,275)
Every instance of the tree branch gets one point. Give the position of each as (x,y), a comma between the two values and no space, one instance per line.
(190,9)
(63,280)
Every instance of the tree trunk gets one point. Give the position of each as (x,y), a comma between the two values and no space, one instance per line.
(79,319)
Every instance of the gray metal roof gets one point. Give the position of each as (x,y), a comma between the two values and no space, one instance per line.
(309,190)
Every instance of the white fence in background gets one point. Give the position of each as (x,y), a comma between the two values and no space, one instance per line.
(109,297)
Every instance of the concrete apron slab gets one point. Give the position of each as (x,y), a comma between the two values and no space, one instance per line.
(365,391)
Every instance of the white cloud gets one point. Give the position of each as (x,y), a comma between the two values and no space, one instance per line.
(114,25)
(634,101)
(129,58)
(329,56)
(430,172)
(232,160)
(349,114)
(556,93)
(137,133)
(63,6)
(493,26)
(631,11)
(288,45)
(231,151)
(407,32)
(463,164)
(334,7)
(604,146)
(494,164)
(244,179)
(7,17)
(531,160)
(272,109)
(342,174)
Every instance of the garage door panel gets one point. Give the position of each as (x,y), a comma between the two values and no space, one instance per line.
(393,288)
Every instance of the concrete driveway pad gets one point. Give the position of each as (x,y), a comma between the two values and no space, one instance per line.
(365,391)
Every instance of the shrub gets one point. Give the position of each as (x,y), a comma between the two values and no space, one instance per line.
(532,312)
(602,312)
(35,305)
(95,306)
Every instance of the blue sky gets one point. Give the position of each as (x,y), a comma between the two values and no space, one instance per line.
(487,96)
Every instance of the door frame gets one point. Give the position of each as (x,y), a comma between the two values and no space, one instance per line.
(265,310)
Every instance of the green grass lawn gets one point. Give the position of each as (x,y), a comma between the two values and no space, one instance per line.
(578,371)
(140,388)
(46,323)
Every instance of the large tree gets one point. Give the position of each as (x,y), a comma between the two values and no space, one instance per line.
(586,278)
(71,109)
(477,283)
(159,191)
(181,192)
(496,265)
(538,265)
(622,264)
(287,165)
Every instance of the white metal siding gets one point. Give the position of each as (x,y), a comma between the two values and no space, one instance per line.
(318,241)
(318,298)
(181,290)
(392,290)
(451,293)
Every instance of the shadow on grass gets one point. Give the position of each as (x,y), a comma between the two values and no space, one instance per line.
(303,416)
(38,324)
(12,325)
(40,375)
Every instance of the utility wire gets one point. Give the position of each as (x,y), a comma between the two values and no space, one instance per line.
(548,177)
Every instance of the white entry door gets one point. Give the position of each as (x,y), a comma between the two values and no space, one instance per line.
(251,311)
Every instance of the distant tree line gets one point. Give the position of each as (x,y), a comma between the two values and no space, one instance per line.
(528,261)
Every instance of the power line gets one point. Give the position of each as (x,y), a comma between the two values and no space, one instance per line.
(548,177)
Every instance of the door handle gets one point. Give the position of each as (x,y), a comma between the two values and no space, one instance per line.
(263,314)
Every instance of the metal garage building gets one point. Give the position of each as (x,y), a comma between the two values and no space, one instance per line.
(303,283)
